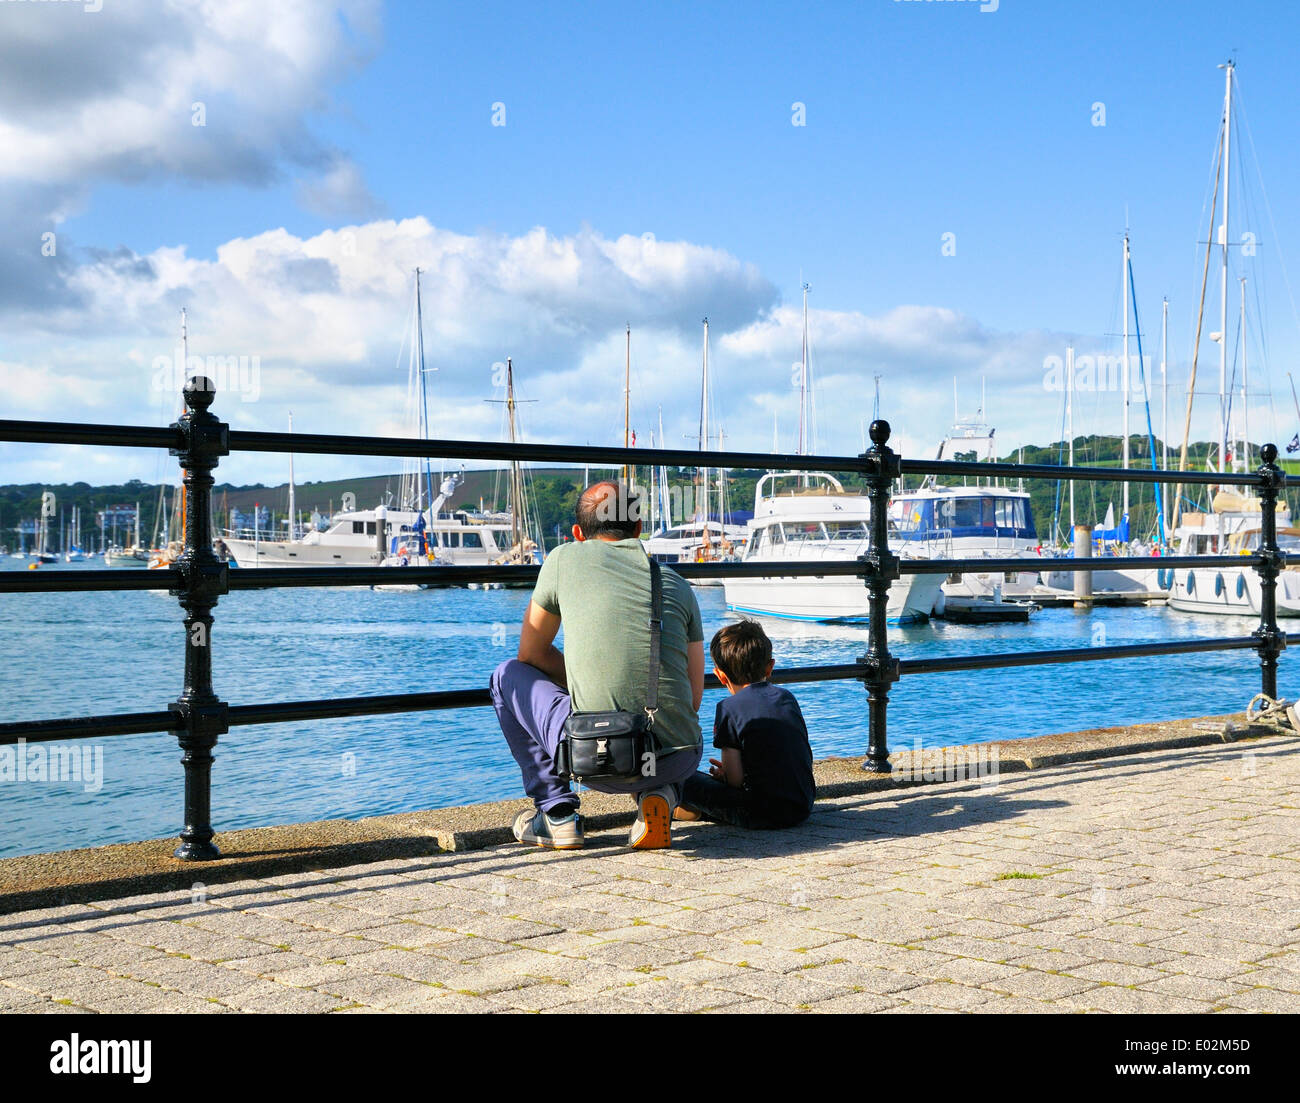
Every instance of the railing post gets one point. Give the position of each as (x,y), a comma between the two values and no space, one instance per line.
(201,581)
(1272,559)
(882,466)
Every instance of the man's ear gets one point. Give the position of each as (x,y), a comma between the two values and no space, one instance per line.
(637,534)
(717,673)
(577,533)
(771,666)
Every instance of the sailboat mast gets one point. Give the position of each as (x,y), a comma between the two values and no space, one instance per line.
(1069,421)
(1223,275)
(1245,416)
(803,378)
(516,498)
(627,396)
(424,494)
(704,434)
(1124,511)
(665,506)
(293,512)
(185,356)
(1164,389)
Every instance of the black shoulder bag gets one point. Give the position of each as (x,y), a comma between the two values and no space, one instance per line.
(612,746)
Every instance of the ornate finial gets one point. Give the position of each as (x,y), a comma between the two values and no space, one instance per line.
(1268,453)
(199,392)
(879,432)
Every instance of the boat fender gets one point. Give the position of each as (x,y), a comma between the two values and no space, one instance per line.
(1241,585)
(1218,585)
(1191,583)
(940,603)
(1165,578)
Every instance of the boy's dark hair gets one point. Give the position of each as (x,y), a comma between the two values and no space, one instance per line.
(742,651)
(609,509)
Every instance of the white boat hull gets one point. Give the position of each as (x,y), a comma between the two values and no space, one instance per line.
(987,585)
(832,598)
(1231,591)
(278,553)
(1121,580)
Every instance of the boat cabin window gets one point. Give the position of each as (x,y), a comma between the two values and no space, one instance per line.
(965,515)
(802,530)
(846,530)
(358,527)
(766,540)
(471,540)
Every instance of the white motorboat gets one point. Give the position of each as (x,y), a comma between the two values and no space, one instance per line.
(971,522)
(814,519)
(1233,528)
(367,537)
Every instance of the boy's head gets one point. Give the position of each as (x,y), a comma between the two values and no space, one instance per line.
(742,654)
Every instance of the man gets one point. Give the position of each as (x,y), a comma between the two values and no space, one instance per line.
(599,588)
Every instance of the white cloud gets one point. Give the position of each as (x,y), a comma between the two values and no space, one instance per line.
(112,94)
(325,318)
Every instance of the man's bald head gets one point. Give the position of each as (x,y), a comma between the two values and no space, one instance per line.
(610,510)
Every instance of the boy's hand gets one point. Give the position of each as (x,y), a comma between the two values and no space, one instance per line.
(715,769)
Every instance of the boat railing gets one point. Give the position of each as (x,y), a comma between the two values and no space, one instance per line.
(198,578)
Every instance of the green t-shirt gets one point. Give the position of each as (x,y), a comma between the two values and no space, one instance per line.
(601,591)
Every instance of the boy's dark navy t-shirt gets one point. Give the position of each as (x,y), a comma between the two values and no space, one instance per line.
(764,724)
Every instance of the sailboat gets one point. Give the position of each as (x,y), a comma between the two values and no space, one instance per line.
(133,555)
(1234,522)
(40,553)
(74,552)
(523,551)
(426,526)
(701,538)
(1111,538)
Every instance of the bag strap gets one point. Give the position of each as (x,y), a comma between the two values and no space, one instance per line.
(656,630)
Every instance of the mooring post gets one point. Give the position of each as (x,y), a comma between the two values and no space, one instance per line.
(881,466)
(1272,559)
(202,580)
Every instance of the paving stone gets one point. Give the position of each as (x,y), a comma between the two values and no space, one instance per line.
(949,997)
(1197,988)
(1265,999)
(1133,1001)
(788,989)
(855,1003)
(1115,972)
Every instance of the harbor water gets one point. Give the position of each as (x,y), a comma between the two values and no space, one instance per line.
(67,655)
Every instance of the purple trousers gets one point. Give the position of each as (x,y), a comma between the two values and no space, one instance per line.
(532,710)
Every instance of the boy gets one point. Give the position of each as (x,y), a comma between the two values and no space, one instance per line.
(764,778)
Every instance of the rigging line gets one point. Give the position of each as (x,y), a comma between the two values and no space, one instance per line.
(1060,456)
(1196,343)
(1250,138)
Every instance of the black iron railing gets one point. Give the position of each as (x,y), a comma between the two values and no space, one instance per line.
(199,578)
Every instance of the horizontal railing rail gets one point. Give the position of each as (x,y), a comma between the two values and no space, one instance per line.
(140,436)
(199,578)
(265,578)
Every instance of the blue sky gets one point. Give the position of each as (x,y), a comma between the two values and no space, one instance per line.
(674,120)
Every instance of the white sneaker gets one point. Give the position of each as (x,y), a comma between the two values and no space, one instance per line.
(540,830)
(654,818)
